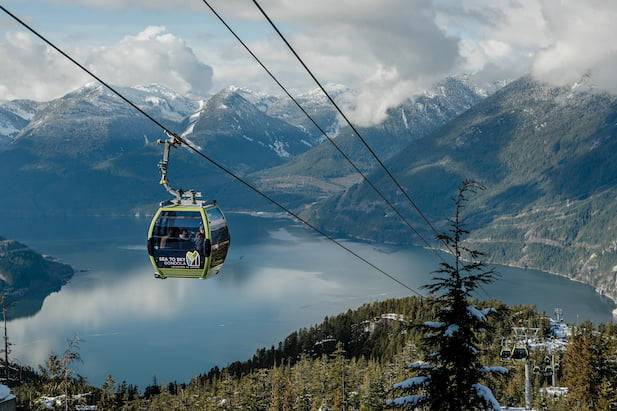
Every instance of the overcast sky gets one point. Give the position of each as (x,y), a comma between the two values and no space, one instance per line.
(387,49)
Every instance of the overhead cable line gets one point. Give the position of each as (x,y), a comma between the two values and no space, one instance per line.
(209,159)
(355,130)
(325,134)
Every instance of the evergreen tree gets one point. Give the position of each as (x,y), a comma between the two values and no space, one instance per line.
(59,375)
(132,392)
(108,395)
(590,369)
(301,384)
(452,371)
(373,389)
(278,388)
(152,390)
(339,378)
(122,394)
(172,388)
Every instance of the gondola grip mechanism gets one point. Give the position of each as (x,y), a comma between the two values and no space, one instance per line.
(172,141)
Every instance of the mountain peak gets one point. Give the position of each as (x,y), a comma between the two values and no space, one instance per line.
(160,89)
(334,89)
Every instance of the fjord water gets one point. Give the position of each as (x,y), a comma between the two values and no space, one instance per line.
(279,277)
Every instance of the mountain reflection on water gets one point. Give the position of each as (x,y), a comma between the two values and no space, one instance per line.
(278,278)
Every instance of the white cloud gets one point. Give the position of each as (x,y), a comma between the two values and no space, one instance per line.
(152,56)
(581,42)
(30,69)
(124,4)
(558,42)
(386,50)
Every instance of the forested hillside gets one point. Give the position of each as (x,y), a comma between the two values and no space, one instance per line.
(545,157)
(355,358)
(28,277)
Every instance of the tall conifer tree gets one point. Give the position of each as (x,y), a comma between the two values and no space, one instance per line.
(451,374)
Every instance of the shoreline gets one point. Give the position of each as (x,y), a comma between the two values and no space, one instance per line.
(599,292)
(279,214)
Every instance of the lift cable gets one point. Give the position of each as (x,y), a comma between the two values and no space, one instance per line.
(330,139)
(209,159)
(355,130)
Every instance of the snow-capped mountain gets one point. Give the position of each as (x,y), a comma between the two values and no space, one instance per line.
(157,100)
(90,135)
(317,105)
(261,100)
(161,101)
(421,114)
(233,128)
(314,102)
(15,116)
(321,172)
(417,117)
(93,121)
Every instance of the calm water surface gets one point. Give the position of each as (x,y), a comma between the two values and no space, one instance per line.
(278,278)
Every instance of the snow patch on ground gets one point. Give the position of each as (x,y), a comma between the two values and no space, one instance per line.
(554,391)
(279,148)
(188,131)
(190,143)
(420,365)
(7,129)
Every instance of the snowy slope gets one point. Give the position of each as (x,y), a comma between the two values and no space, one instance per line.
(320,171)
(157,100)
(239,131)
(14,116)
(313,101)
(93,121)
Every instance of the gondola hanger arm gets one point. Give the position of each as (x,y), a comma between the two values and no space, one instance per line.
(172,141)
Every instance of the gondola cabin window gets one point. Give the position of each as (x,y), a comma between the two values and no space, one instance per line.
(178,240)
(219,234)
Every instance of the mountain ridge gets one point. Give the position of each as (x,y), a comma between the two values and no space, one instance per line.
(322,171)
(544,155)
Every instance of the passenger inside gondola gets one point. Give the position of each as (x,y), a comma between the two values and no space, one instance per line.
(199,239)
(184,235)
(168,241)
(177,233)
